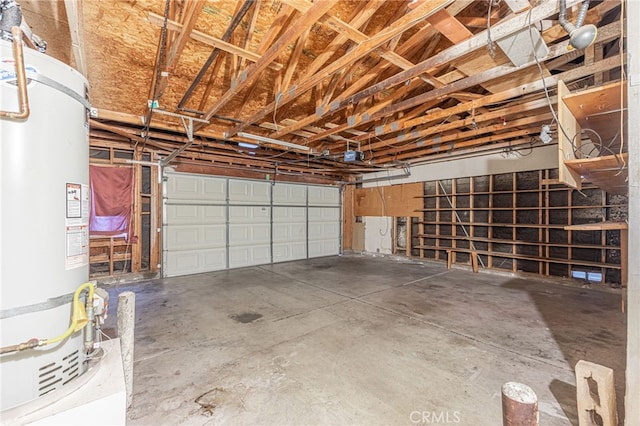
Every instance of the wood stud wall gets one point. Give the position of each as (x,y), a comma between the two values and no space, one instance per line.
(112,256)
(515,222)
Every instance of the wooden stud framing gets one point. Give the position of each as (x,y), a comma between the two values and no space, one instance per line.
(446,243)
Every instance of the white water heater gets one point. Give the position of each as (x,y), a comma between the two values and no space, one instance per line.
(44,224)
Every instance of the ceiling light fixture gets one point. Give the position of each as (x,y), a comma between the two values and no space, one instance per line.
(580,37)
(247,145)
(273,141)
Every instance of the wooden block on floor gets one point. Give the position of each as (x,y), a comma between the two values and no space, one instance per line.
(474,261)
(596,395)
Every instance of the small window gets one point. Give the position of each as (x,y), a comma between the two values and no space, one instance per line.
(590,276)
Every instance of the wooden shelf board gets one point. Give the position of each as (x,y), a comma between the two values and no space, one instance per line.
(599,109)
(561,188)
(495,225)
(462,209)
(604,172)
(524,257)
(592,101)
(598,226)
(518,242)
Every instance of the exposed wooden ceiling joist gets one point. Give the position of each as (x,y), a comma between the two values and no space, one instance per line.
(391,76)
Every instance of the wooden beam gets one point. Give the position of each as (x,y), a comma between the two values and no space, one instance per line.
(215,69)
(569,139)
(249,31)
(510,26)
(191,14)
(348,216)
(210,40)
(494,73)
(421,12)
(138,120)
(293,60)
(113,129)
(362,16)
(415,41)
(75,19)
(281,21)
(253,72)
(476,22)
(454,146)
(445,139)
(348,30)
(430,129)
(449,26)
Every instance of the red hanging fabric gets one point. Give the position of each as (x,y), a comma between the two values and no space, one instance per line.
(111,200)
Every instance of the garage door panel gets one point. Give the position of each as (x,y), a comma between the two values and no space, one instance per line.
(323,231)
(187,237)
(240,235)
(249,255)
(213,223)
(194,261)
(289,232)
(247,214)
(181,187)
(288,194)
(324,196)
(289,214)
(194,214)
(249,192)
(291,251)
(323,214)
(323,248)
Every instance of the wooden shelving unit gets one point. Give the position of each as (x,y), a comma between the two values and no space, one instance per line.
(521,222)
(601,112)
(105,253)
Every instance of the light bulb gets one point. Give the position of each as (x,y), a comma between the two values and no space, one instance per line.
(583,37)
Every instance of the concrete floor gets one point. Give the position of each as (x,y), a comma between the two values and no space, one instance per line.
(362,340)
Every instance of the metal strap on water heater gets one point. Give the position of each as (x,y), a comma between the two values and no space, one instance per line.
(59,87)
(37,307)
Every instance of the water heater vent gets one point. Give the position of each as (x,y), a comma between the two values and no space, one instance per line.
(54,375)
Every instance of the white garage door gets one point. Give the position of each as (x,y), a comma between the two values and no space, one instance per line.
(215,223)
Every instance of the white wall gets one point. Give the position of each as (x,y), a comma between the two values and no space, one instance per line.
(545,157)
(377,234)
(633,286)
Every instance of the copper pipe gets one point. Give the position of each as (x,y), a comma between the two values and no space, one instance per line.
(21,77)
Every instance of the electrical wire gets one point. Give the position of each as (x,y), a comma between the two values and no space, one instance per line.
(163,37)
(490,46)
(542,78)
(518,151)
(572,140)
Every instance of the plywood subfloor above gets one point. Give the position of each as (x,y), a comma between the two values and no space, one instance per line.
(609,172)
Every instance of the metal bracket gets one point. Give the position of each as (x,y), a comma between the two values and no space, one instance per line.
(188,129)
